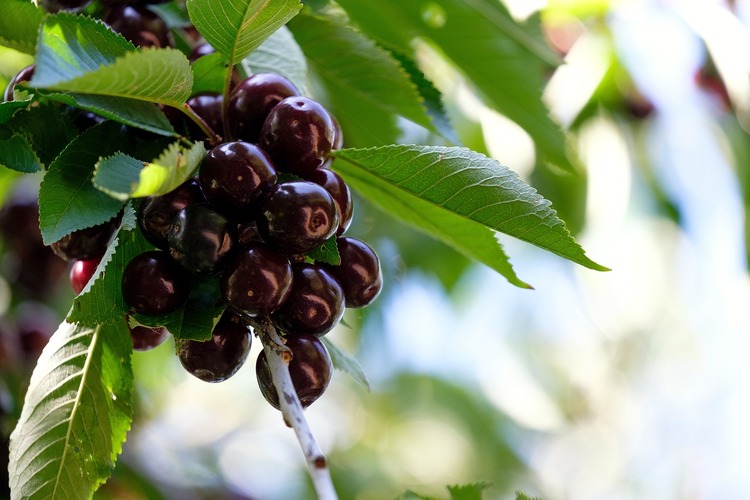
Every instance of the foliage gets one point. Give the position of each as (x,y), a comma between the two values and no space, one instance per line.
(79,407)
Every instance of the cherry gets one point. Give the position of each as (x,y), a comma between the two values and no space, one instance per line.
(22,76)
(310,370)
(297,216)
(156,213)
(153,284)
(339,191)
(200,50)
(220,357)
(145,338)
(256,281)
(81,273)
(359,272)
(298,134)
(234,175)
(35,323)
(247,233)
(208,106)
(200,238)
(140,26)
(315,304)
(338,135)
(251,101)
(86,244)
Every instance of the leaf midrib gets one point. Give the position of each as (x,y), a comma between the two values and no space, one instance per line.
(79,396)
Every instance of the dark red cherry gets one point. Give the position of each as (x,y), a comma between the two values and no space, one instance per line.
(35,323)
(256,281)
(207,106)
(338,135)
(234,175)
(310,370)
(200,239)
(359,272)
(297,134)
(156,213)
(86,244)
(218,358)
(315,305)
(145,338)
(153,284)
(251,101)
(339,191)
(22,76)
(140,26)
(81,273)
(200,50)
(297,216)
(247,233)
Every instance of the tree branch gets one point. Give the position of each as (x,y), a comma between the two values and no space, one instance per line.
(279,356)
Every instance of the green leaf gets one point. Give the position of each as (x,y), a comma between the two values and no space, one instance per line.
(172,13)
(19,25)
(78,54)
(460,197)
(279,54)
(345,58)
(208,74)
(68,200)
(76,414)
(7,109)
(173,167)
(47,129)
(197,318)
(101,301)
(328,252)
(237,27)
(17,154)
(506,61)
(347,363)
(520,495)
(138,114)
(467,491)
(118,175)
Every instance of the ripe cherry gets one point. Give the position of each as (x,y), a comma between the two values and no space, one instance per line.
(153,284)
(256,281)
(201,238)
(251,101)
(297,216)
(156,213)
(145,338)
(310,370)
(208,107)
(298,135)
(140,26)
(315,304)
(339,191)
(24,75)
(81,273)
(220,357)
(86,244)
(359,272)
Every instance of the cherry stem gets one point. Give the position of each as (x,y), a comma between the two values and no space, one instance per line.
(225,99)
(278,356)
(213,137)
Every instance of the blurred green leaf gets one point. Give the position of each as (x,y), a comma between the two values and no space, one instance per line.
(467,491)
(347,363)
(520,495)
(68,200)
(8,108)
(347,58)
(17,154)
(19,25)
(506,61)
(76,413)
(279,54)
(208,74)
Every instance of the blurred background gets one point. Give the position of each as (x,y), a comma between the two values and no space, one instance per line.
(619,385)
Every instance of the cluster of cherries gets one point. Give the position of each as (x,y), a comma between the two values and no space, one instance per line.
(258,206)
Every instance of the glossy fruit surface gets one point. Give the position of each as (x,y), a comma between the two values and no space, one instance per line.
(81,273)
(200,239)
(208,107)
(310,370)
(251,101)
(234,175)
(153,284)
(145,338)
(156,213)
(298,135)
(359,272)
(86,244)
(297,216)
(256,280)
(220,357)
(339,191)
(140,26)
(24,75)
(315,305)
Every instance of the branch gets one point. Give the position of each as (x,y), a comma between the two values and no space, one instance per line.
(278,356)
(213,138)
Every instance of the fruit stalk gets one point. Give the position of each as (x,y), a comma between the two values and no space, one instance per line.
(278,356)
